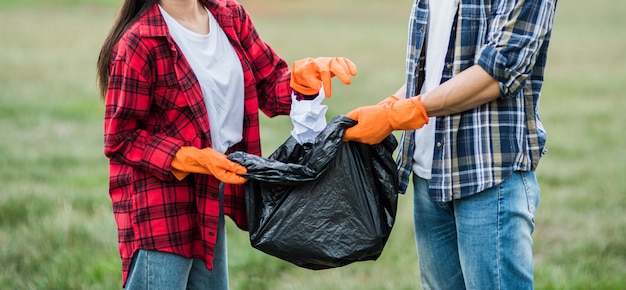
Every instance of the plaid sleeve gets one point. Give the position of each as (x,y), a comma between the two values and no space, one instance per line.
(271,72)
(517,31)
(128,102)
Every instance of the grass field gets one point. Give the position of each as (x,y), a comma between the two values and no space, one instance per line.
(56,226)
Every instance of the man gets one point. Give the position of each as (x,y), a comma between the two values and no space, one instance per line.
(474,75)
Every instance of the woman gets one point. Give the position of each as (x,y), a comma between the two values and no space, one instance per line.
(183,81)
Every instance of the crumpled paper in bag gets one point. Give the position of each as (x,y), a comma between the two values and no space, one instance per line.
(308,118)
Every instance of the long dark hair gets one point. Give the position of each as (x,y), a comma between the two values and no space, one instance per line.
(128,14)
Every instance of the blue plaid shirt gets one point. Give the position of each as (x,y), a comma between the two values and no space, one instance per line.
(480,148)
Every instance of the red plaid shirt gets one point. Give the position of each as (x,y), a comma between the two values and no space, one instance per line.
(154,105)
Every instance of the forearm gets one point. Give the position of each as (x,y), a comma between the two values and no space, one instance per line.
(467,90)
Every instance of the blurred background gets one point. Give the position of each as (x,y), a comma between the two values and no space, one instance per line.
(56,226)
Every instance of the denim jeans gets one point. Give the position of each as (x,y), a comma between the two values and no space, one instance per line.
(479,242)
(159,270)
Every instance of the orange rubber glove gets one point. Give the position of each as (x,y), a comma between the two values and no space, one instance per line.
(388,100)
(376,122)
(190,159)
(309,74)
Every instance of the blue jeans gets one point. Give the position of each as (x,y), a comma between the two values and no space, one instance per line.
(479,242)
(159,270)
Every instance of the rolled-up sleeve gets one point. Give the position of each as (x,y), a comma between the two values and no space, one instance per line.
(517,31)
(128,103)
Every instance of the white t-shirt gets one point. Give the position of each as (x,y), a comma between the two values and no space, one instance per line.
(218,69)
(440,20)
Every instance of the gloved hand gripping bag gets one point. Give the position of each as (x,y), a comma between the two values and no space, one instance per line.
(324,204)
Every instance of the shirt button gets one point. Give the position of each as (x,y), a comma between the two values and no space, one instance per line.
(438,144)
(211,233)
(448,65)
(421,29)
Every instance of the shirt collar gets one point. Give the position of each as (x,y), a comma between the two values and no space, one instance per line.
(152,24)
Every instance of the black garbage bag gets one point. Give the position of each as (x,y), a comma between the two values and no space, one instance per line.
(324,204)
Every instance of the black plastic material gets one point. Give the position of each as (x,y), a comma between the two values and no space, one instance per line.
(322,205)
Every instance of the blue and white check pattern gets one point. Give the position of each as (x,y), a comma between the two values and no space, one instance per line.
(479,148)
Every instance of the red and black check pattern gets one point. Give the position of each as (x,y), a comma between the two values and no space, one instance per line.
(154,105)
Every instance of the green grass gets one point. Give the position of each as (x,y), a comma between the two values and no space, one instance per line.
(56,226)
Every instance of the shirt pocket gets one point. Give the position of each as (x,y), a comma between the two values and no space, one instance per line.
(474,11)
(170,99)
(174,116)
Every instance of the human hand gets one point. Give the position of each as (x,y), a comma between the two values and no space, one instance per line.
(190,159)
(308,75)
(376,122)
